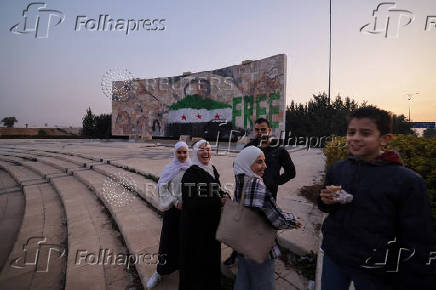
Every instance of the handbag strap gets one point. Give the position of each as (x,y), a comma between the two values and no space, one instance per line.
(243,190)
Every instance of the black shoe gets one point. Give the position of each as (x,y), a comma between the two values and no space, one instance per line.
(232,259)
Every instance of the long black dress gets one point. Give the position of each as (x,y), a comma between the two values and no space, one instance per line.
(200,252)
(169,242)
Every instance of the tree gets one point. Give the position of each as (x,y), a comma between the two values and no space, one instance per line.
(430,133)
(88,124)
(401,125)
(319,117)
(103,126)
(97,126)
(9,122)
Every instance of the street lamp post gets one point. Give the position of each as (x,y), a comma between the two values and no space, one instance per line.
(330,48)
(409,97)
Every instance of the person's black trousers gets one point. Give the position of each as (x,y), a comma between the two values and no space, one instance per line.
(169,242)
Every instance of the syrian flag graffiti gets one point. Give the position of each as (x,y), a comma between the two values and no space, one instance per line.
(191,114)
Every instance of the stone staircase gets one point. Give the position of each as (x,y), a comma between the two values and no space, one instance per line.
(87,207)
(64,225)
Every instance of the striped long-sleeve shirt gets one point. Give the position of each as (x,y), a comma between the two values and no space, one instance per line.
(258,197)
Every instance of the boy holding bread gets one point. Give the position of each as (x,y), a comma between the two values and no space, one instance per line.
(378,233)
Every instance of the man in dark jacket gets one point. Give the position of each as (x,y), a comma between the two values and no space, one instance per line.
(276,158)
(382,238)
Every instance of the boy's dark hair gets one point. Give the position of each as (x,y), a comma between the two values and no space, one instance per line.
(381,118)
(262,120)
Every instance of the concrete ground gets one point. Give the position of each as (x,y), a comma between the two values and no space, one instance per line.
(91,163)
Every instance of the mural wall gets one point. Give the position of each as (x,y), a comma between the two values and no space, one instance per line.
(187,104)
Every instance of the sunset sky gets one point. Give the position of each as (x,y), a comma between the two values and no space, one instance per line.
(55,79)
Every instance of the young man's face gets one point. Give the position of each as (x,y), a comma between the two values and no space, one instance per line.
(262,131)
(364,139)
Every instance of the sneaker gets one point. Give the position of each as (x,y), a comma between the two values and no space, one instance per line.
(232,259)
(154,280)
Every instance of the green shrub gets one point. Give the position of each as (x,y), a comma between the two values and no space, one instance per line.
(42,132)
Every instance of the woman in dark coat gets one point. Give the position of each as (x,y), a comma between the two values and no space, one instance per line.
(170,202)
(200,253)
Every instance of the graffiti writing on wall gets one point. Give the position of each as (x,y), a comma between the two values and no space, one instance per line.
(186,104)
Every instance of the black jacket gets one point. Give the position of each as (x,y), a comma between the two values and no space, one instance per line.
(390,210)
(276,157)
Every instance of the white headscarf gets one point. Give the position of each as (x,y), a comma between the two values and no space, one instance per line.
(245,159)
(208,168)
(174,166)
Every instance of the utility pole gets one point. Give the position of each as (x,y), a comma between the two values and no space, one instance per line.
(330,49)
(410,97)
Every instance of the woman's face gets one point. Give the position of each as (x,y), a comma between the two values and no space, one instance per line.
(182,154)
(259,165)
(203,154)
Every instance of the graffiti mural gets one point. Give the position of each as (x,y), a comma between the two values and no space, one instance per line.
(186,104)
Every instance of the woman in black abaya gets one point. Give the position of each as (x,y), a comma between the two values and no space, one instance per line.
(200,253)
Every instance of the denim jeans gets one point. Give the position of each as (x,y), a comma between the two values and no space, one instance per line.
(335,277)
(254,276)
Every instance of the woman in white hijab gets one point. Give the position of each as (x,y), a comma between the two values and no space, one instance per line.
(170,201)
(249,168)
(200,254)
(205,163)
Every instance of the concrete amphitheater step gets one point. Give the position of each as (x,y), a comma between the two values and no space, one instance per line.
(23,176)
(38,258)
(90,234)
(146,188)
(139,225)
(10,158)
(11,214)
(65,166)
(42,169)
(70,157)
(17,154)
(65,157)
(74,158)
(87,156)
